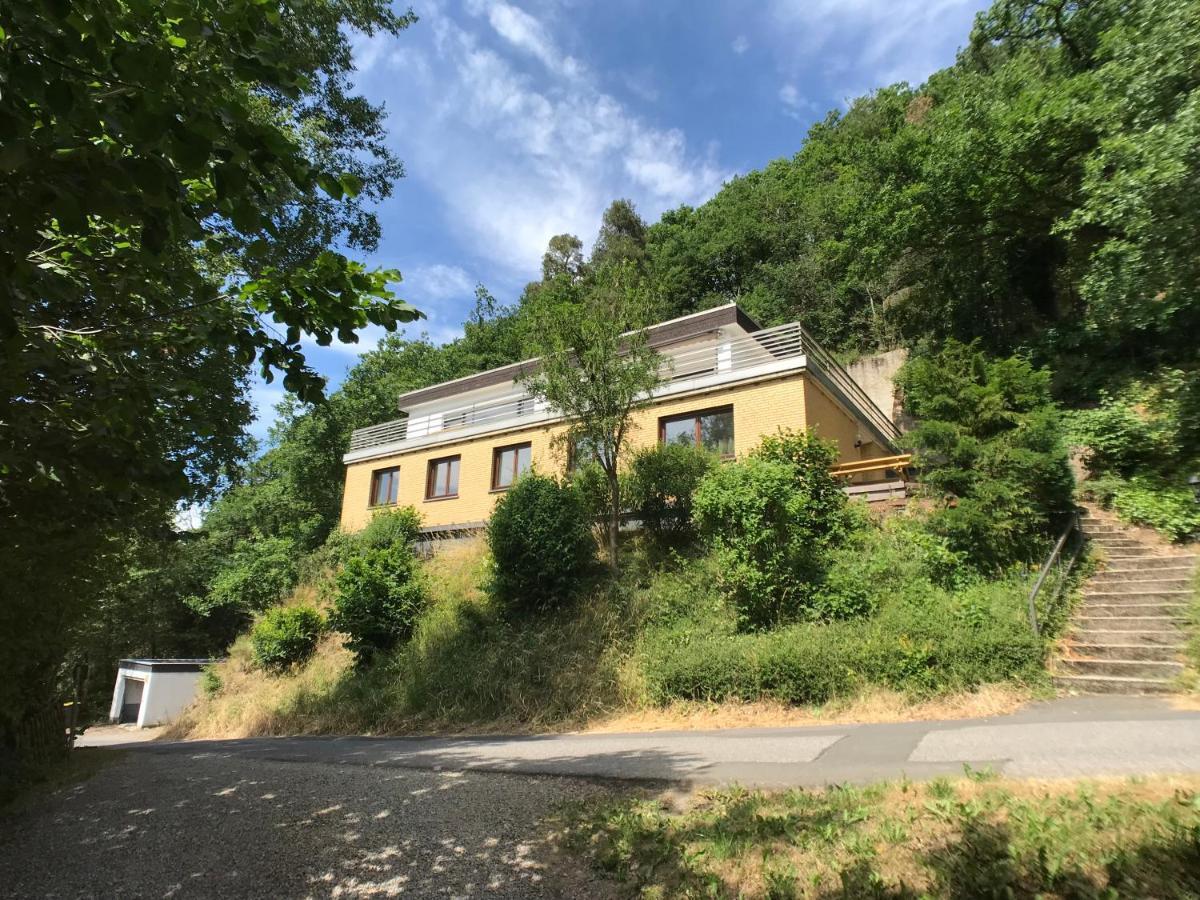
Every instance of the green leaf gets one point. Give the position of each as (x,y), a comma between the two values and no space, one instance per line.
(330,185)
(59,97)
(352,184)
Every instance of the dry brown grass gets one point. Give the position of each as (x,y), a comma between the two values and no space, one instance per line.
(878,705)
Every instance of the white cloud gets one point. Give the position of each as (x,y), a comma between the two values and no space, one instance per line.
(794,102)
(516,155)
(263,400)
(740,44)
(436,282)
(871,43)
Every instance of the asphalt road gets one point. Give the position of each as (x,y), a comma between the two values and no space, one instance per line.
(352,817)
(204,825)
(1080,736)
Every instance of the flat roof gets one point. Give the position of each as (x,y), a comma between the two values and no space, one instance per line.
(668,332)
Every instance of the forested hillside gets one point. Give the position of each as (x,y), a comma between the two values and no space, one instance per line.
(1038,197)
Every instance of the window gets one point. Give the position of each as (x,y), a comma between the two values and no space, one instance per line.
(442,480)
(508,464)
(711,429)
(385,486)
(583,451)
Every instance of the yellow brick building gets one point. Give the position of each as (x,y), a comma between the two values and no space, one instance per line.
(727,383)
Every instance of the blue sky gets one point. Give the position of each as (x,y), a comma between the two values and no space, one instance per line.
(517,121)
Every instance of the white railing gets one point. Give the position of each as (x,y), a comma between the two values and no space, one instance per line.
(770,345)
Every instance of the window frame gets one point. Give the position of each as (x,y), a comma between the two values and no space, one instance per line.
(393,472)
(696,416)
(497,453)
(430,477)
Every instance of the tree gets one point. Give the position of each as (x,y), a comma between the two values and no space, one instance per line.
(596,367)
(180,169)
(622,235)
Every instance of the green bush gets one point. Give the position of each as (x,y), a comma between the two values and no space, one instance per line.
(1118,438)
(379,596)
(661,484)
(390,528)
(286,636)
(257,575)
(773,520)
(541,544)
(591,483)
(990,446)
(1150,500)
(943,642)
(210,682)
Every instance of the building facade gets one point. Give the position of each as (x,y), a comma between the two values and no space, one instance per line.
(726,383)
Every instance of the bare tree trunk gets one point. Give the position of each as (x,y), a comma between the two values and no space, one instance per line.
(614,518)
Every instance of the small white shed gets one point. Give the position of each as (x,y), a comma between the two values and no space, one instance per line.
(154,691)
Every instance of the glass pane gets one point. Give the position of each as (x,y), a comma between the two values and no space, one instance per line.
(524,456)
(393,479)
(680,431)
(716,432)
(377,489)
(452,486)
(504,468)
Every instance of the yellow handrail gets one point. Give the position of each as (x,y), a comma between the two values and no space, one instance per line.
(856,467)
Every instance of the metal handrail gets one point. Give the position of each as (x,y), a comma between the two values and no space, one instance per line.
(1072,528)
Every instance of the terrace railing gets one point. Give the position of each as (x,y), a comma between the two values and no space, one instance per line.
(756,350)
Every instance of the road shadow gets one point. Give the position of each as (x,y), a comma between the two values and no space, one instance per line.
(210,822)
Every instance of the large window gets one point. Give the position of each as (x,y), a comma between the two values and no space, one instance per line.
(508,464)
(442,480)
(711,429)
(385,486)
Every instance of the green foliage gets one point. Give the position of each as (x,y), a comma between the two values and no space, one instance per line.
(773,520)
(286,636)
(661,483)
(1168,507)
(989,444)
(184,171)
(1118,439)
(257,575)
(591,369)
(541,544)
(210,682)
(391,528)
(380,595)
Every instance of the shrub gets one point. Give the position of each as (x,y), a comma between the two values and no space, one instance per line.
(285,637)
(256,576)
(210,682)
(591,483)
(773,519)
(1152,501)
(1118,438)
(990,445)
(390,528)
(662,482)
(379,596)
(541,544)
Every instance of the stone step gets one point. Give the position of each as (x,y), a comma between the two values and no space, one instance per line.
(1121,668)
(1162,637)
(1163,580)
(1111,684)
(1148,559)
(1142,563)
(1129,623)
(1174,610)
(1160,652)
(1129,590)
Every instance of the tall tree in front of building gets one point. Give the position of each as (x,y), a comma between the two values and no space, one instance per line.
(596,366)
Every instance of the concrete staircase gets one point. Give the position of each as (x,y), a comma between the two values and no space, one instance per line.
(1127,635)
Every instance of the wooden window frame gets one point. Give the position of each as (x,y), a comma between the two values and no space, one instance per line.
(394,472)
(430,470)
(497,452)
(663,421)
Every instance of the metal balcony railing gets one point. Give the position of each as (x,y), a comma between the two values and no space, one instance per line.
(770,345)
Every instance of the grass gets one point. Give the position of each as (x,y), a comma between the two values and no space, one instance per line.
(973,837)
(658,649)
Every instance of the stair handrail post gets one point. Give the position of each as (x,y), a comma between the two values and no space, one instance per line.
(1046,567)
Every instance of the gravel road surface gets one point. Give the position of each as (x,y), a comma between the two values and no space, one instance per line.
(211,825)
